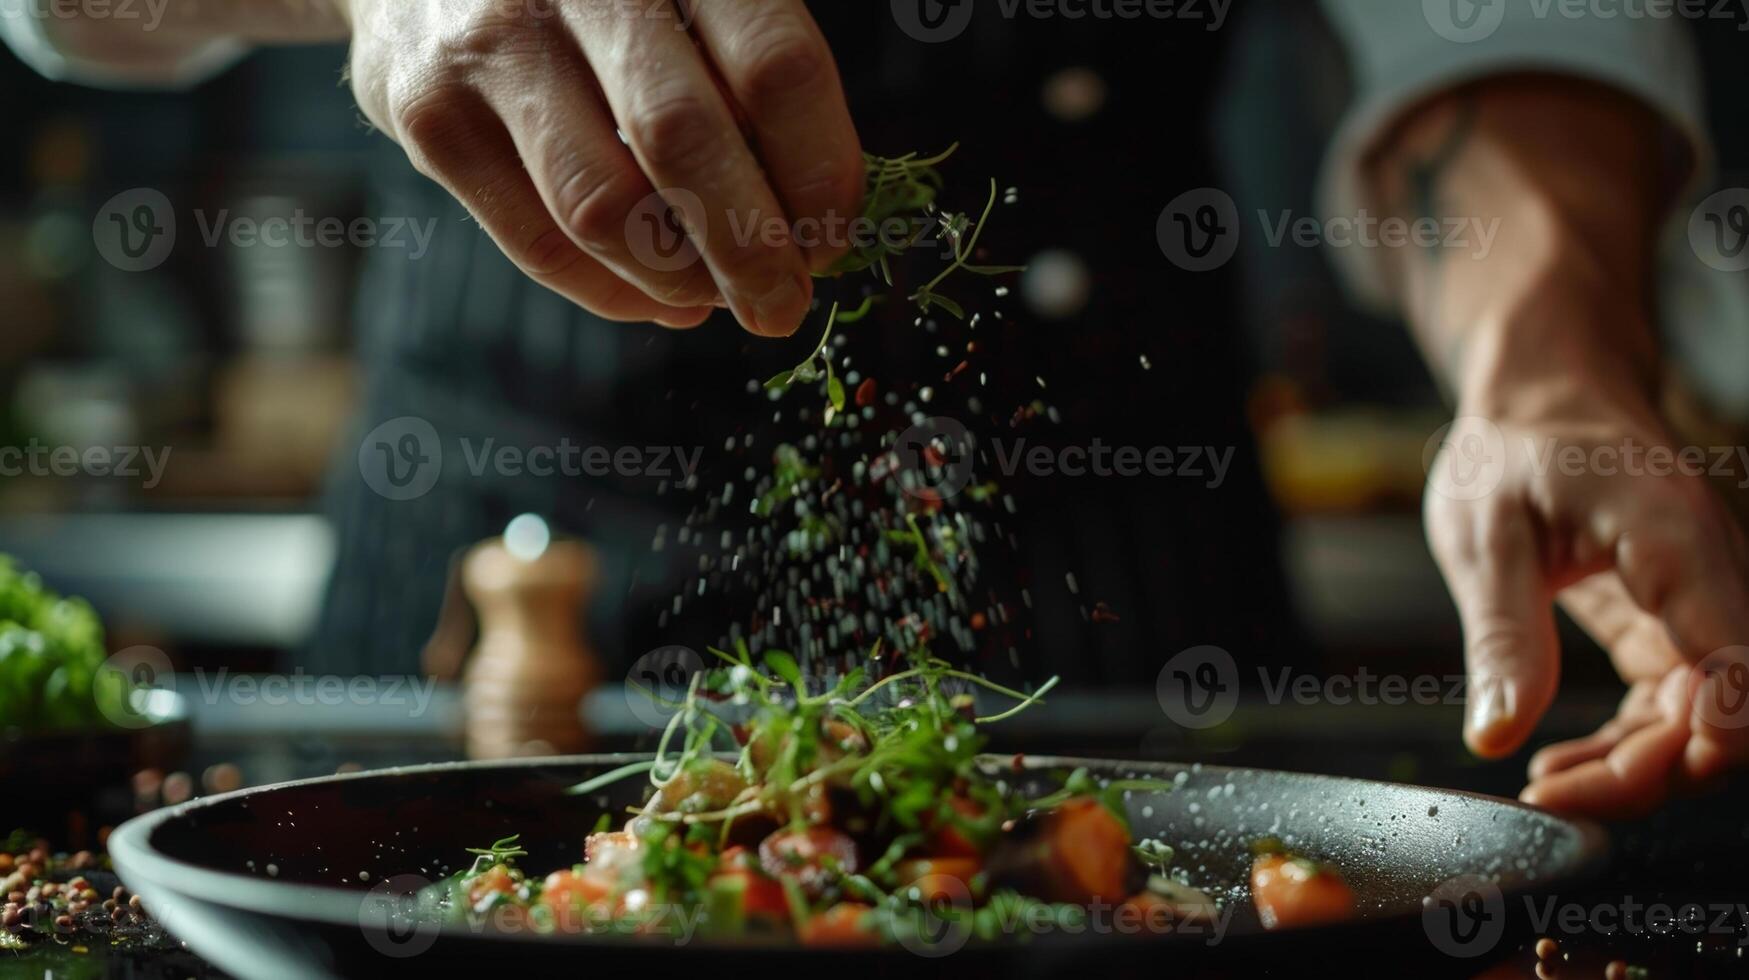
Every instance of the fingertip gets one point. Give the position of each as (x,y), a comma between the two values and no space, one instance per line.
(1498,723)
(780,312)
(1703,759)
(1494,742)
(1541,764)
(685,319)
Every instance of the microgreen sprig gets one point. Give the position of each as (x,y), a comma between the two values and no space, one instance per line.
(901,192)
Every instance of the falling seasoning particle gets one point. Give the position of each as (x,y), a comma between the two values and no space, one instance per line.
(1147,365)
(1001,291)
(1074,587)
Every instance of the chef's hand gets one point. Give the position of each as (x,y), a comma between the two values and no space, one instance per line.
(1547,343)
(516,109)
(1644,558)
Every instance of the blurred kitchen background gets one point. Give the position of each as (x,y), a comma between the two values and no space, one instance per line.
(241,361)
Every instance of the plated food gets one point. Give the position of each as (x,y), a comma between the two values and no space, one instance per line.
(859,815)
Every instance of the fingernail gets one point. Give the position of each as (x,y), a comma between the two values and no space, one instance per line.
(780,311)
(1491,708)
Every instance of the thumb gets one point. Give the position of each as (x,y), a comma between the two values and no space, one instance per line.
(1487,551)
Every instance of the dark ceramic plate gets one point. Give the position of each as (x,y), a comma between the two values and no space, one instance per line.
(295,880)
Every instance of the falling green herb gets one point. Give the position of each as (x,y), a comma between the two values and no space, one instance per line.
(901,195)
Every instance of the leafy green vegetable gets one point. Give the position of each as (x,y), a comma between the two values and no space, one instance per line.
(52,674)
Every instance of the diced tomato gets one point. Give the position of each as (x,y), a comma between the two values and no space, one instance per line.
(570,896)
(1089,851)
(840,925)
(945,878)
(761,895)
(812,857)
(494,880)
(1292,892)
(949,840)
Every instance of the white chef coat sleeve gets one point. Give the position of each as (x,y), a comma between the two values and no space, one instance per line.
(23,27)
(1401,51)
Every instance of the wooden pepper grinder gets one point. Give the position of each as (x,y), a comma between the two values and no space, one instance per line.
(524,685)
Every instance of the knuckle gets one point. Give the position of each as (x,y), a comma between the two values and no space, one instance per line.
(1497,532)
(834,186)
(675,132)
(1655,559)
(500,34)
(783,57)
(547,252)
(438,116)
(594,203)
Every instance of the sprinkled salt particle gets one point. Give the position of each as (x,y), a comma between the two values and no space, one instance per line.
(273,871)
